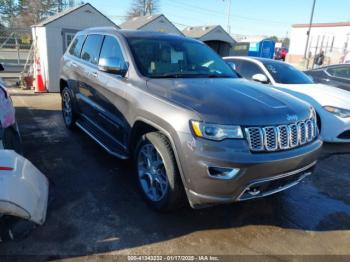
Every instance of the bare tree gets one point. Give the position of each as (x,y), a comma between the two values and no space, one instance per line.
(142,8)
(8,10)
(29,12)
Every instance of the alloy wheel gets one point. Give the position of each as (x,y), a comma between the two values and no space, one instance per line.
(151,173)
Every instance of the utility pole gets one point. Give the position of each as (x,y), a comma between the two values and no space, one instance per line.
(228,17)
(309,30)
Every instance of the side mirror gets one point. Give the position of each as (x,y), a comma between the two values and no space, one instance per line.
(1,68)
(260,78)
(113,66)
(231,64)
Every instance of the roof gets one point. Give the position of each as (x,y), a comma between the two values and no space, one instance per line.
(199,32)
(67,11)
(128,33)
(139,21)
(336,24)
(253,58)
(151,34)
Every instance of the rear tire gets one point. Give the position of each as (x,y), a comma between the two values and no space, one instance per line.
(68,108)
(13,228)
(157,174)
(12,140)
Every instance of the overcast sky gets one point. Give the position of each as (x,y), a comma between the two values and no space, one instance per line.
(253,17)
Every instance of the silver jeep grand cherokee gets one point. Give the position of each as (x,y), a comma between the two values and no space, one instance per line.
(191,125)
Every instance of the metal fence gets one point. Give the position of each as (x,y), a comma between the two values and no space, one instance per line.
(333,48)
(15,51)
(15,44)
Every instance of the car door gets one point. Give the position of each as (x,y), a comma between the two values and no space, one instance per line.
(109,93)
(338,76)
(88,77)
(72,65)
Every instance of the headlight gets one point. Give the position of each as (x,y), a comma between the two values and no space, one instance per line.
(215,132)
(338,111)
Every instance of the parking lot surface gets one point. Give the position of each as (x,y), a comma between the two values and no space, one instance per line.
(95,207)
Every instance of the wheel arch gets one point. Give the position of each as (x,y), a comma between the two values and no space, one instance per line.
(142,126)
(63,84)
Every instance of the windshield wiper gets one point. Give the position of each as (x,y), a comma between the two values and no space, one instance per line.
(218,76)
(172,75)
(179,75)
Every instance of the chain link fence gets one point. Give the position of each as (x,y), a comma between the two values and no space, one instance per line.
(15,45)
(16,54)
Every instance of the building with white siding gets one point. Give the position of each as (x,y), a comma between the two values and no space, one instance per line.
(52,36)
(332,38)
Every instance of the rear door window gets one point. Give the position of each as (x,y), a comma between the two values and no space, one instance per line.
(111,49)
(340,71)
(91,49)
(77,45)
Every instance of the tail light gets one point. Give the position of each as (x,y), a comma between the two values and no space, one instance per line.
(5,168)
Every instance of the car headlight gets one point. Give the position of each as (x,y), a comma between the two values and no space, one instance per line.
(341,112)
(215,132)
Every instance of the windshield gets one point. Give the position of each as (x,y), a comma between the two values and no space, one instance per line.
(286,74)
(177,58)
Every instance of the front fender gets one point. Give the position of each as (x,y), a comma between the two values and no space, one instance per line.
(23,188)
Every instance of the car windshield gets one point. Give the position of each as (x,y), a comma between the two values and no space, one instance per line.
(286,74)
(177,58)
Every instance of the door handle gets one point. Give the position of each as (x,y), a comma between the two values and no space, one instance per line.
(74,64)
(94,74)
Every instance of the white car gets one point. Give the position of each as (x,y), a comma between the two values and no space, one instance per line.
(23,188)
(331,104)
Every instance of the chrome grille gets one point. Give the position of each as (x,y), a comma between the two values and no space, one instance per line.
(310,129)
(293,135)
(281,137)
(270,138)
(255,138)
(302,133)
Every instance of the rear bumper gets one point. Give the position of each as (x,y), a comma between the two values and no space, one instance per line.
(23,188)
(256,174)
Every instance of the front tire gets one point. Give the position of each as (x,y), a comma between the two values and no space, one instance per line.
(157,173)
(68,110)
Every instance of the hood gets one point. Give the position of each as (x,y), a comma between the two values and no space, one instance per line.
(231,101)
(322,94)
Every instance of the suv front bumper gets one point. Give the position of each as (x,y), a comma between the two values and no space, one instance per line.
(245,175)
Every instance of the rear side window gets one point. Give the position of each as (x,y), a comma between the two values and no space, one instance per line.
(77,45)
(91,48)
(111,49)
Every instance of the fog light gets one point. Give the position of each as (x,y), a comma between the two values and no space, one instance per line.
(222,173)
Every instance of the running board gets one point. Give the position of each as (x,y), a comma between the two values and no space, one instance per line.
(100,139)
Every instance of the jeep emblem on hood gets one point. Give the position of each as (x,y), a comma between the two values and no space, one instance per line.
(292,117)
